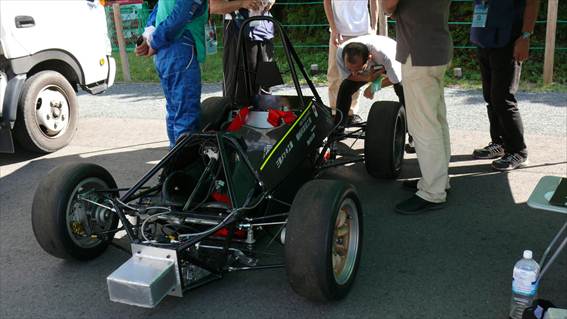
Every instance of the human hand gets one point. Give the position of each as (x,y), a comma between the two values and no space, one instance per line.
(521,49)
(151,51)
(251,4)
(375,74)
(368,93)
(337,38)
(389,7)
(142,49)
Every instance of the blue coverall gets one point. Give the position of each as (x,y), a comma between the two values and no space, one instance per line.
(177,67)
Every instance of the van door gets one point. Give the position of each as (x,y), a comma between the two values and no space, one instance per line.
(77,27)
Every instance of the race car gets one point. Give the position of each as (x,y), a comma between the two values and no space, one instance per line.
(250,178)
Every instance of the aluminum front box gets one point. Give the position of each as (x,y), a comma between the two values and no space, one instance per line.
(146,278)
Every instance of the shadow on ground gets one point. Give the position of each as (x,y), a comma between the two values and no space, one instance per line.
(451,263)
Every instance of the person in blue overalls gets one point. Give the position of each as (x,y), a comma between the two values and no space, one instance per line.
(175,33)
(501,29)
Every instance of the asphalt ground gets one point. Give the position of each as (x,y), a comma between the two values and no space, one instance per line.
(451,263)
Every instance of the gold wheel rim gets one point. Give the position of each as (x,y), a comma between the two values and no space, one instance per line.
(345,241)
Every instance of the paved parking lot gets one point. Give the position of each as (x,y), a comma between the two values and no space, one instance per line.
(452,263)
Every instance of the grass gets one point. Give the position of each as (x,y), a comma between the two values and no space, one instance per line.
(142,70)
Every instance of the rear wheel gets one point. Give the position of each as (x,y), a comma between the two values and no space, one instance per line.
(64,217)
(47,113)
(385,139)
(323,240)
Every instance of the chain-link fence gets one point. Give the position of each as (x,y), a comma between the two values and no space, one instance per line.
(306,24)
(134,17)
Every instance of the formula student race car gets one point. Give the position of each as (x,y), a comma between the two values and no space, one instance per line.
(245,182)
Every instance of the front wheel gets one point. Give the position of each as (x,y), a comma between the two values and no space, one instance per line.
(65,219)
(323,240)
(385,139)
(47,113)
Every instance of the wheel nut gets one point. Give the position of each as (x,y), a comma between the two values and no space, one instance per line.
(48,117)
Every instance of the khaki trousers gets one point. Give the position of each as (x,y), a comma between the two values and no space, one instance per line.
(427,123)
(334,79)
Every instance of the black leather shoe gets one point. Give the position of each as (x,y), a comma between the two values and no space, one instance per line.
(416,205)
(411,184)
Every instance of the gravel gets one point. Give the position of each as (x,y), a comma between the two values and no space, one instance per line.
(542,113)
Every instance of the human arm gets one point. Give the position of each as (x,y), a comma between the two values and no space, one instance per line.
(374,12)
(143,49)
(183,12)
(335,35)
(152,17)
(522,44)
(376,85)
(270,5)
(389,6)
(370,76)
(223,6)
(392,68)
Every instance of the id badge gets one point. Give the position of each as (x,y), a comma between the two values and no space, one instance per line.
(210,38)
(480,15)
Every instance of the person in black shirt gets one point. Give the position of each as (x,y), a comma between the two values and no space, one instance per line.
(501,30)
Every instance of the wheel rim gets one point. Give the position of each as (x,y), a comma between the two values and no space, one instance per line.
(83,217)
(52,111)
(345,241)
(399,141)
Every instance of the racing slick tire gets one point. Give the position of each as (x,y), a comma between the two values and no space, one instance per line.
(48,113)
(323,240)
(61,221)
(213,112)
(385,139)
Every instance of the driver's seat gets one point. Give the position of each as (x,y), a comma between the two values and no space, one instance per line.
(214,111)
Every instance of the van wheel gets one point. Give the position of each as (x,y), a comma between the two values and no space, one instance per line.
(47,113)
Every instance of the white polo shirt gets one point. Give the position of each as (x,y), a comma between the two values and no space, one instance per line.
(352,17)
(383,51)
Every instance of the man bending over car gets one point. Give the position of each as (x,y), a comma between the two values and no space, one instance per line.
(368,59)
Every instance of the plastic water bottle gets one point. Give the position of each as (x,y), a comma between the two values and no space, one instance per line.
(524,285)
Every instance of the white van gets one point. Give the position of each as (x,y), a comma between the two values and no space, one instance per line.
(48,49)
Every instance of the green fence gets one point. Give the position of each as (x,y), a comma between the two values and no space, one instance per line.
(134,18)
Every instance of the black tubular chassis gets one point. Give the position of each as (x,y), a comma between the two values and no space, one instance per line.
(223,140)
(260,188)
